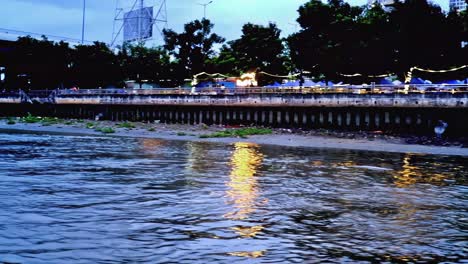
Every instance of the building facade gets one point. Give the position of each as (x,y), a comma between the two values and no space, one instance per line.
(459,5)
(386,4)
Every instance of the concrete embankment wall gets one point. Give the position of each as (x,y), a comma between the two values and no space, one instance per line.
(438,100)
(10,100)
(417,113)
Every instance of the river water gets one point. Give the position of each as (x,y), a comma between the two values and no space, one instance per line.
(77,199)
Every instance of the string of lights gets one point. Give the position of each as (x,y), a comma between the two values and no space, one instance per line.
(280,76)
(210,74)
(408,76)
(439,71)
(369,76)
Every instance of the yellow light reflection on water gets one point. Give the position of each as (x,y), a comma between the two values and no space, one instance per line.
(150,145)
(248,231)
(411,174)
(252,254)
(243,192)
(151,148)
(243,189)
(198,154)
(346,164)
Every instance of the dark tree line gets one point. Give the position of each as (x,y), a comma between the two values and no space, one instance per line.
(340,38)
(43,64)
(335,38)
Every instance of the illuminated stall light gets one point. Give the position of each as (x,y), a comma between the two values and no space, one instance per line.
(247,80)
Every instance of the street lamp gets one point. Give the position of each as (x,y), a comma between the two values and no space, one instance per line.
(83,24)
(204,8)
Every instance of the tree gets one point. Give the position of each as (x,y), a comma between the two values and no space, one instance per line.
(95,66)
(226,62)
(340,39)
(373,51)
(141,63)
(259,48)
(38,64)
(422,36)
(328,36)
(193,48)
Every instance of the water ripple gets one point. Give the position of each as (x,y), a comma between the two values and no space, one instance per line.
(71,199)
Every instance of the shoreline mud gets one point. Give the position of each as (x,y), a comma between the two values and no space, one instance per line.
(279,137)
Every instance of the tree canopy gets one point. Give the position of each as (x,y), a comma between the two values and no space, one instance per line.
(260,48)
(193,48)
(343,39)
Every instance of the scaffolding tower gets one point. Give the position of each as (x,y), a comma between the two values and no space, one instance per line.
(139,21)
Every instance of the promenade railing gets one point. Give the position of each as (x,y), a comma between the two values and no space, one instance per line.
(348,89)
(344,89)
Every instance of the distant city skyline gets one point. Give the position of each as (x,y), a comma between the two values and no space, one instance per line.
(63,18)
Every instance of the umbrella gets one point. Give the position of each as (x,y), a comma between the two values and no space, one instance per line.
(204,84)
(291,83)
(385,81)
(451,82)
(416,81)
(309,83)
(227,84)
(274,85)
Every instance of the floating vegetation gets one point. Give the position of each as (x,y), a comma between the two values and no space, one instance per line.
(30,119)
(127,125)
(106,130)
(242,133)
(48,121)
(90,125)
(11,121)
(45,121)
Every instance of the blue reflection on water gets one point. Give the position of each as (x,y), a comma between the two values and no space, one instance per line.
(72,199)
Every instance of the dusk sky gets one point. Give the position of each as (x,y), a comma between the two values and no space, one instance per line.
(63,17)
